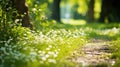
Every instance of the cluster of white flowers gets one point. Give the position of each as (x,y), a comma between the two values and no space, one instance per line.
(43,47)
(48,56)
(111,32)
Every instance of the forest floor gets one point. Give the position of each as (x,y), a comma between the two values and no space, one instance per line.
(95,53)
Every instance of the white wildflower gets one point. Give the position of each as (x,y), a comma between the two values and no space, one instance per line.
(47,48)
(46,55)
(52,60)
(34,9)
(44,58)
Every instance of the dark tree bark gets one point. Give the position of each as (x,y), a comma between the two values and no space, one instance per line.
(91,11)
(110,10)
(56,10)
(22,9)
(106,7)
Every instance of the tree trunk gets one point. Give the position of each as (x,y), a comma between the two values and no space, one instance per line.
(91,11)
(56,10)
(22,9)
(110,11)
(105,10)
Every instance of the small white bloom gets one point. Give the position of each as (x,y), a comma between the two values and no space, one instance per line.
(46,55)
(3,48)
(55,55)
(39,51)
(47,48)
(34,9)
(52,60)
(51,53)
(17,20)
(44,58)
(33,53)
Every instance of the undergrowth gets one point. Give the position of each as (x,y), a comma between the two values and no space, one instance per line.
(48,47)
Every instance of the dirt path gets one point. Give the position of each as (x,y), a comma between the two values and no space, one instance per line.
(94,54)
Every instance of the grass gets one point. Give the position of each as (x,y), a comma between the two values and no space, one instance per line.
(74,22)
(50,45)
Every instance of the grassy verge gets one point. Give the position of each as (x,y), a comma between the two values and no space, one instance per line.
(50,45)
(45,48)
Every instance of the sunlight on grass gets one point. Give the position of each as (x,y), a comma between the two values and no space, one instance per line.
(74,22)
(50,46)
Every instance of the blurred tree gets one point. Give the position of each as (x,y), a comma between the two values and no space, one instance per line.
(56,10)
(91,11)
(76,14)
(22,9)
(110,11)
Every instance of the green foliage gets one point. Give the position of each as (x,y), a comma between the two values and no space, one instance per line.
(116,52)
(50,44)
(28,48)
(11,33)
(39,12)
(10,48)
(6,20)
